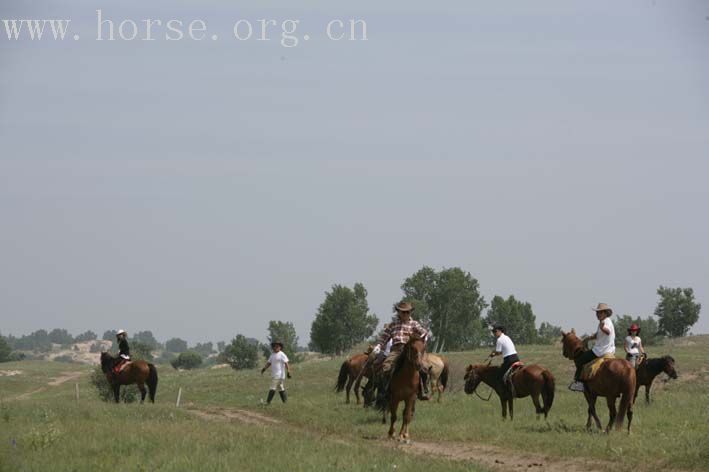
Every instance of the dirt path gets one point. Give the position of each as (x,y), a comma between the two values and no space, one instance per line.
(492,457)
(54,382)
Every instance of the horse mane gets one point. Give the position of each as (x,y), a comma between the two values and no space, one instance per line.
(405,352)
(576,345)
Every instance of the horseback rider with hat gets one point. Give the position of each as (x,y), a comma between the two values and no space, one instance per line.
(278,362)
(604,345)
(123,350)
(633,345)
(401,328)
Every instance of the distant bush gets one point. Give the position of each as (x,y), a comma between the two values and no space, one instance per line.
(187,360)
(64,358)
(129,393)
(176,345)
(140,351)
(165,357)
(5,350)
(86,336)
(240,353)
(96,347)
(548,333)
(60,336)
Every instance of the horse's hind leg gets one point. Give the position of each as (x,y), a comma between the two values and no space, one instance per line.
(117,392)
(392,413)
(356,388)
(143,392)
(537,405)
(350,380)
(591,399)
(611,411)
(647,393)
(408,414)
(512,408)
(503,402)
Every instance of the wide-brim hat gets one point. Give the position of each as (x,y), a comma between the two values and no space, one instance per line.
(603,307)
(404,306)
(276,343)
(121,331)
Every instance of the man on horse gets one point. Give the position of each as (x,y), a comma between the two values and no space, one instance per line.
(506,348)
(123,350)
(398,332)
(604,345)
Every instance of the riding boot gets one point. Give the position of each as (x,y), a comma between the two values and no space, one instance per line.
(423,393)
(284,396)
(271,393)
(383,390)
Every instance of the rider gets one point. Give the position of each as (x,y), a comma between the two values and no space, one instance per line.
(633,345)
(505,348)
(604,345)
(398,332)
(123,349)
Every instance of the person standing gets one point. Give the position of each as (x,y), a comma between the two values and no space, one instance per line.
(604,345)
(633,345)
(278,362)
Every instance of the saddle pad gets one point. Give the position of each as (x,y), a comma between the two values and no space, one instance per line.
(589,370)
(507,376)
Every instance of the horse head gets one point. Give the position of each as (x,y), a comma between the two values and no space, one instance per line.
(414,351)
(106,362)
(472,378)
(669,367)
(571,344)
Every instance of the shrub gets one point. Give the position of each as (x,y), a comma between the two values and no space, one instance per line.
(129,393)
(187,360)
(240,353)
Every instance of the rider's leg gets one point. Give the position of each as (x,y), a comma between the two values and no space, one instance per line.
(423,387)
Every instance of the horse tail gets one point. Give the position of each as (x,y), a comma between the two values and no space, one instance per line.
(152,382)
(548,390)
(626,401)
(342,377)
(443,379)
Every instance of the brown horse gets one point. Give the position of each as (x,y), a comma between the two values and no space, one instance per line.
(351,372)
(136,372)
(651,368)
(404,385)
(532,380)
(438,371)
(614,378)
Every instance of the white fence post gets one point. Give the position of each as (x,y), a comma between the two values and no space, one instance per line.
(179,396)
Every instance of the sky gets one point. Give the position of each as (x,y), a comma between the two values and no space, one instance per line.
(556,150)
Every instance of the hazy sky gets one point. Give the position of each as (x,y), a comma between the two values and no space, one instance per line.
(557,150)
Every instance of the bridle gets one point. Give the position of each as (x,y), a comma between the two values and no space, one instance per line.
(475,391)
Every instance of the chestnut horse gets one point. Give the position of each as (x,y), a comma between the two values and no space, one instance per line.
(651,368)
(614,378)
(351,372)
(136,372)
(404,385)
(532,380)
(438,371)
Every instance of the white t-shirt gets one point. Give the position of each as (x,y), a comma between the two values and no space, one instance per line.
(629,341)
(387,349)
(505,345)
(278,362)
(605,343)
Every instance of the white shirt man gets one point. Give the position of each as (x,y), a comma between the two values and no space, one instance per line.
(605,339)
(278,362)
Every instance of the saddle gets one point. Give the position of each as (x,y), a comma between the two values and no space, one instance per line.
(122,364)
(507,376)
(588,371)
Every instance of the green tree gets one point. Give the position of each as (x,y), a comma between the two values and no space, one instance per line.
(147,338)
(240,353)
(285,333)
(36,341)
(676,310)
(451,306)
(176,345)
(85,336)
(109,335)
(548,333)
(204,349)
(342,320)
(140,351)
(516,316)
(5,350)
(60,336)
(187,360)
(649,329)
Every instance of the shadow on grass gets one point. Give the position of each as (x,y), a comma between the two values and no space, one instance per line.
(559,426)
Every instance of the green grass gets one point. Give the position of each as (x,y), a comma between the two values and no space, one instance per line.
(670,433)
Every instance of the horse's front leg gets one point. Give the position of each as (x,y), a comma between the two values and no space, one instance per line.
(408,414)
(143,392)
(393,406)
(512,408)
(116,391)
(356,388)
(503,402)
(647,392)
(591,400)
(347,389)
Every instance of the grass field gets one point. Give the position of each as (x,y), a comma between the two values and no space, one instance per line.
(48,429)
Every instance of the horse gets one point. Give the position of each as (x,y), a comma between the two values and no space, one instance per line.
(404,385)
(351,372)
(438,371)
(614,378)
(136,372)
(533,380)
(651,368)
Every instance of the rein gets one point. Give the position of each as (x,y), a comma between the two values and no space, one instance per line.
(489,361)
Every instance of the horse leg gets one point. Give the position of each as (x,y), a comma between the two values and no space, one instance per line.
(356,388)
(393,406)
(504,407)
(347,389)
(117,391)
(647,392)
(512,412)
(143,392)
(408,414)
(591,399)
(611,411)
(637,389)
(537,405)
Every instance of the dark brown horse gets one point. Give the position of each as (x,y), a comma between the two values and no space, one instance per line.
(614,378)
(532,380)
(351,372)
(404,385)
(136,372)
(651,368)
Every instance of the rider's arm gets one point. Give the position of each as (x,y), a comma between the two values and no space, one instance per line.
(268,364)
(602,327)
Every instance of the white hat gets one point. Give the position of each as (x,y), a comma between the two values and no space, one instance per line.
(121,331)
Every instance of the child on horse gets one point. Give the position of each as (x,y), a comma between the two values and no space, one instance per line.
(278,362)
(633,345)
(398,332)
(604,345)
(123,350)
(506,348)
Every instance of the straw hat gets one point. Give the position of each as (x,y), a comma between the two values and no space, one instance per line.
(404,306)
(603,307)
